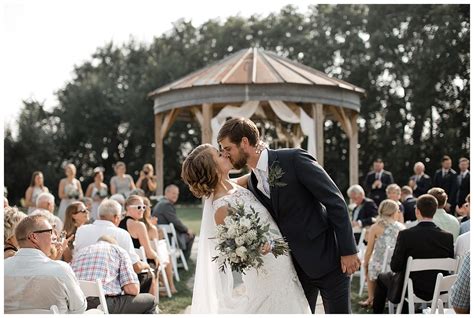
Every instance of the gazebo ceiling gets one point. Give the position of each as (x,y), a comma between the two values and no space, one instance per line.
(256,74)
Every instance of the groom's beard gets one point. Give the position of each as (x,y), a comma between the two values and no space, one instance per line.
(241,160)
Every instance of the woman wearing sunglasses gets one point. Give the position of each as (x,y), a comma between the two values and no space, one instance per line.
(76,216)
(135,208)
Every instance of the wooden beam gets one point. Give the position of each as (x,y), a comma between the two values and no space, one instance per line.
(342,119)
(168,121)
(206,129)
(159,153)
(354,151)
(318,119)
(198,114)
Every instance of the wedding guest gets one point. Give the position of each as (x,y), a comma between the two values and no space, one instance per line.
(156,234)
(147,181)
(98,191)
(446,178)
(464,186)
(69,189)
(45,206)
(462,244)
(165,211)
(135,208)
(420,182)
(460,292)
(409,204)
(110,263)
(121,183)
(34,190)
(76,216)
(442,219)
(425,240)
(33,280)
(376,182)
(11,219)
(465,212)
(395,193)
(365,210)
(381,235)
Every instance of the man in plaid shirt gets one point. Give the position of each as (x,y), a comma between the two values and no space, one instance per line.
(460,292)
(110,263)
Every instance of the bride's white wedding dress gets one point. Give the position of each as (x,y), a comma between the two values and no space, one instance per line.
(274,289)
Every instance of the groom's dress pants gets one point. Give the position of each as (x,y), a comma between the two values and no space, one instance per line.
(334,288)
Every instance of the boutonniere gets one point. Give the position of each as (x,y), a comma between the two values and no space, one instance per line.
(274,175)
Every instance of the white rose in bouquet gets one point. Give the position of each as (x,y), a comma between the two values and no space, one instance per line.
(239,241)
(241,252)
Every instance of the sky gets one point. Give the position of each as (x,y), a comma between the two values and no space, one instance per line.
(43,40)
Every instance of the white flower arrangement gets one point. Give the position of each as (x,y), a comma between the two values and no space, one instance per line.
(240,239)
(71,192)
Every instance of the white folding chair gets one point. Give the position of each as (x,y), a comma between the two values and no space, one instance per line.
(416,265)
(52,310)
(94,289)
(176,245)
(155,245)
(142,254)
(387,257)
(443,284)
(361,272)
(173,248)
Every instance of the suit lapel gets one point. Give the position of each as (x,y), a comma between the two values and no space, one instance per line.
(274,191)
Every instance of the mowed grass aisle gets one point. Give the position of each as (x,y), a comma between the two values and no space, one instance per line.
(191,217)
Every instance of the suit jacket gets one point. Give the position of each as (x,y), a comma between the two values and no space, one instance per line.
(165,211)
(424,240)
(367,211)
(422,185)
(309,210)
(378,195)
(448,183)
(409,206)
(464,188)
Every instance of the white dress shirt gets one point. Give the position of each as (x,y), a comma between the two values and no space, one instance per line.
(261,172)
(462,244)
(34,281)
(88,234)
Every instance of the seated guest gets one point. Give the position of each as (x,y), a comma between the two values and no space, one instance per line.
(76,215)
(425,240)
(460,292)
(110,263)
(165,211)
(381,235)
(135,208)
(33,280)
(155,234)
(442,219)
(462,244)
(420,182)
(465,213)
(395,193)
(109,219)
(409,203)
(45,206)
(11,219)
(121,200)
(365,210)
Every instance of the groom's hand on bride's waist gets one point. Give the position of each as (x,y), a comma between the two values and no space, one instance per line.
(350,264)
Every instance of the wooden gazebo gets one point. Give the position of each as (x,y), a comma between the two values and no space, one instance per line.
(259,83)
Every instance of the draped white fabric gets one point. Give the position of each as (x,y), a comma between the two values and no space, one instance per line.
(283,112)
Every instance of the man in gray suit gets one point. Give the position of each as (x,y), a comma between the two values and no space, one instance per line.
(165,211)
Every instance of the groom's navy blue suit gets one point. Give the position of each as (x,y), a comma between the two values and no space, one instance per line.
(313,217)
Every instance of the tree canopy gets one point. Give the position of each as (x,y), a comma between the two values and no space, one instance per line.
(413,61)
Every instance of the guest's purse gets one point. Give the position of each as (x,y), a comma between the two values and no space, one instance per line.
(396,286)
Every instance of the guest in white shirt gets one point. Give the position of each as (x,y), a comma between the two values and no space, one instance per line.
(109,218)
(33,280)
(442,219)
(462,244)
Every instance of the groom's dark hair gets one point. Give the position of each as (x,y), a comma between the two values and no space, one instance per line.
(237,128)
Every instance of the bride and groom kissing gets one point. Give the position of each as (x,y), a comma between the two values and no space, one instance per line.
(293,193)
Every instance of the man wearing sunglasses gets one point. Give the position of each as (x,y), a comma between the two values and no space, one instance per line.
(33,280)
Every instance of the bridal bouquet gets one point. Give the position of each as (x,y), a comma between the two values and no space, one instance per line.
(240,239)
(71,192)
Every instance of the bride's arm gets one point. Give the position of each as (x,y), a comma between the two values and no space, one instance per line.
(242,181)
(220,215)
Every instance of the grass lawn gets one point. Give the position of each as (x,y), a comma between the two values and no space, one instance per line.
(191,216)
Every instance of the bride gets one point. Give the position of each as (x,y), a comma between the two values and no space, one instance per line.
(275,288)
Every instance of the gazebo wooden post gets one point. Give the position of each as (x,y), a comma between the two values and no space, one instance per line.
(206,129)
(353,151)
(159,153)
(318,118)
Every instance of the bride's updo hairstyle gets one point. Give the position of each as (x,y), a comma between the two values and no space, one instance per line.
(199,171)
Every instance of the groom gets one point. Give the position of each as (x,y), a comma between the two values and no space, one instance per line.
(308,208)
